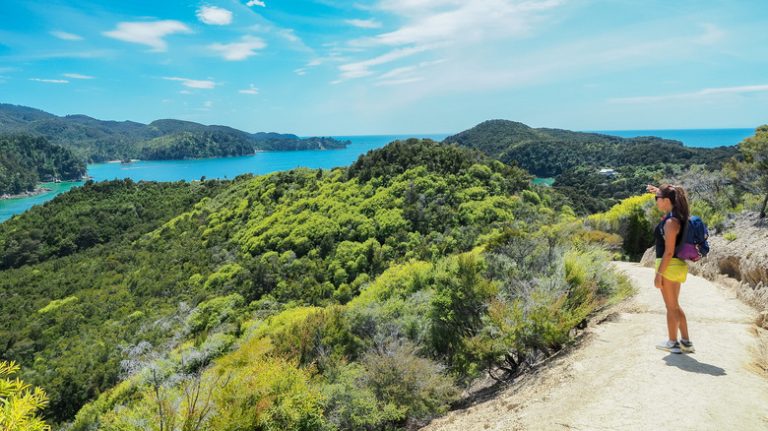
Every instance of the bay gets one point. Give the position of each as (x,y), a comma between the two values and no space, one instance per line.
(229,167)
(9,207)
(273,161)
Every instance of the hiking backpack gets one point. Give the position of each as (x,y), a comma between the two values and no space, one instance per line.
(694,245)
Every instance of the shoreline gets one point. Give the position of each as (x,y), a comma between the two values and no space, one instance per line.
(27,194)
(40,189)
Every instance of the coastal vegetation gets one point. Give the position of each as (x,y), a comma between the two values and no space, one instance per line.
(96,213)
(19,402)
(359,298)
(368,297)
(575,159)
(25,161)
(96,141)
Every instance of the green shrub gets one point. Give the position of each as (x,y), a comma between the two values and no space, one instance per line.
(19,402)
(408,386)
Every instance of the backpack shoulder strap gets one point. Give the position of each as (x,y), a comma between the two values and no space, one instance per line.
(684,238)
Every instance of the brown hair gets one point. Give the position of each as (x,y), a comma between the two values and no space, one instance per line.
(679,199)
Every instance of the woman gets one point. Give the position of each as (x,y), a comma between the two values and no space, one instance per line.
(671,271)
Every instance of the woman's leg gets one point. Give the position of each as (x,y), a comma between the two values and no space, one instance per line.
(670,290)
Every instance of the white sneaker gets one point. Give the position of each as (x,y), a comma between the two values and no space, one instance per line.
(670,346)
(687,346)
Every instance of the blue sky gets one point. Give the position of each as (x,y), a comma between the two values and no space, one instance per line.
(332,67)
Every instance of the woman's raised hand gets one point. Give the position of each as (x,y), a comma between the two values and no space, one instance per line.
(652,189)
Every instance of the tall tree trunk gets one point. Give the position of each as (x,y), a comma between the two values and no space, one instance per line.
(765,203)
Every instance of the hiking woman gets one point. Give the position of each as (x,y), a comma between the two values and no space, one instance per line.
(671,271)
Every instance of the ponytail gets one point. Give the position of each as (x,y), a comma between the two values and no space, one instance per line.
(679,199)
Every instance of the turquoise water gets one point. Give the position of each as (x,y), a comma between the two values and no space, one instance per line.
(703,138)
(230,167)
(266,162)
(9,207)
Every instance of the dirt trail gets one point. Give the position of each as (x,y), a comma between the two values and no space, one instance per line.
(617,380)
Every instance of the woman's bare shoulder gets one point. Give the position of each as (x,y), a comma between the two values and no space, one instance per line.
(672,223)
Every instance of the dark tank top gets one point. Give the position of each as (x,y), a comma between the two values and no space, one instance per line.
(659,235)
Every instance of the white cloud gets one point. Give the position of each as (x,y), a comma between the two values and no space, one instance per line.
(66,36)
(214,15)
(194,83)
(704,93)
(399,81)
(148,33)
(362,68)
(290,35)
(50,81)
(185,92)
(363,23)
(236,51)
(250,90)
(453,21)
(458,28)
(255,3)
(208,104)
(77,76)
(300,71)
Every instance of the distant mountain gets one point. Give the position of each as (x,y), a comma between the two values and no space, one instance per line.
(96,140)
(26,160)
(550,152)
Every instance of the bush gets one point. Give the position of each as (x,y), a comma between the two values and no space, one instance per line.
(19,402)
(408,386)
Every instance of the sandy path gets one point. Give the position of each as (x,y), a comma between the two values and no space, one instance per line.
(617,380)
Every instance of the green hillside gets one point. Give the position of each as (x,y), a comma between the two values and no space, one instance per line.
(575,159)
(360,298)
(25,161)
(97,140)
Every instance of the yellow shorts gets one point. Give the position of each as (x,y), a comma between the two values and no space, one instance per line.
(677,270)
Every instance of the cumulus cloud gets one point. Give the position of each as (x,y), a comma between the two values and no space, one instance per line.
(213,15)
(50,81)
(363,23)
(250,90)
(255,3)
(237,51)
(66,36)
(147,33)
(193,83)
(77,76)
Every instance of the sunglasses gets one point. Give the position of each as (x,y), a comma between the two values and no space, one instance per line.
(659,197)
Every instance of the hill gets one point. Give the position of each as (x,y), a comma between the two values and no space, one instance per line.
(550,152)
(25,161)
(97,140)
(344,299)
(575,159)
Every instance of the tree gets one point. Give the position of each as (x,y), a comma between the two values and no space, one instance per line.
(19,402)
(755,152)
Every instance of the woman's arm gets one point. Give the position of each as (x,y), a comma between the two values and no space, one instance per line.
(671,229)
(650,188)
